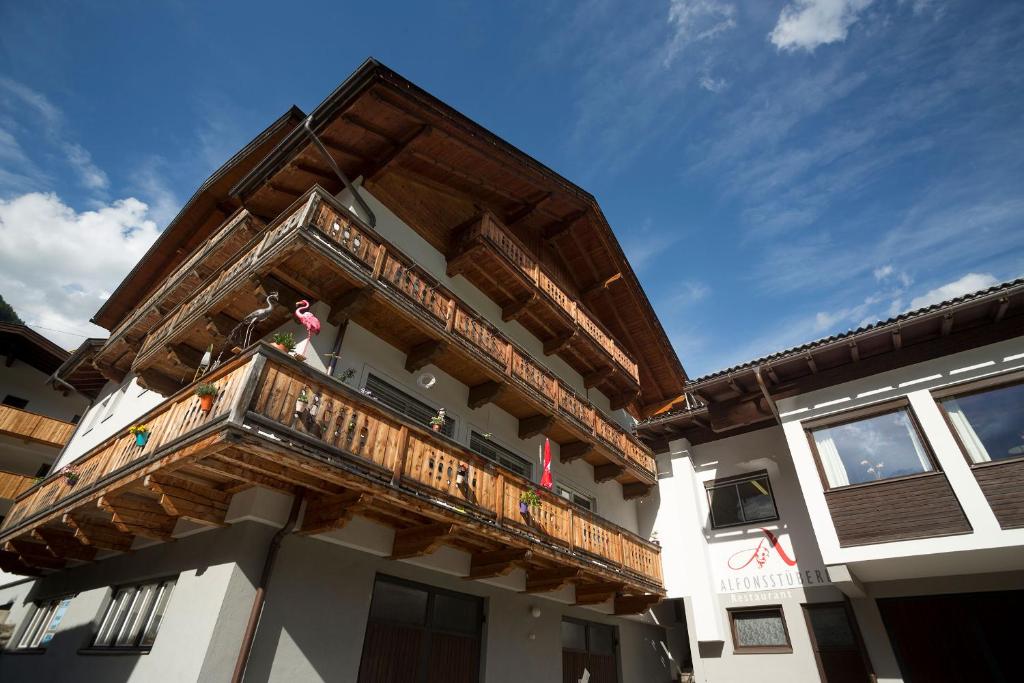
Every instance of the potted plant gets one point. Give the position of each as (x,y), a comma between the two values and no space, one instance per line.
(71,475)
(461,475)
(528,499)
(284,341)
(141,434)
(302,401)
(437,421)
(206,391)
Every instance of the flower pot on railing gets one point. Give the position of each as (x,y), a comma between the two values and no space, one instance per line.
(301,402)
(461,475)
(437,421)
(527,501)
(207,391)
(141,434)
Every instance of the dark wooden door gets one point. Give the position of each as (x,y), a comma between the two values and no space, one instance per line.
(587,646)
(838,648)
(953,638)
(420,634)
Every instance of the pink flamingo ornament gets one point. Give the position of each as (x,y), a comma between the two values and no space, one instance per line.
(307,320)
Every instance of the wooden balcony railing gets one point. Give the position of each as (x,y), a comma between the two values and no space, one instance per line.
(253,434)
(32,427)
(13,485)
(400,283)
(488,232)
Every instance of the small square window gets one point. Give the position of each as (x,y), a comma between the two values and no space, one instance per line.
(15,402)
(577,497)
(43,623)
(133,617)
(759,630)
(741,500)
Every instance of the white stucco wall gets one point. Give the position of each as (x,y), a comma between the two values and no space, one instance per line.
(24,381)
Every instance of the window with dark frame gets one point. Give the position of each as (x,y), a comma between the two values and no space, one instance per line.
(576,496)
(871,444)
(759,630)
(500,455)
(15,401)
(400,401)
(987,421)
(43,622)
(743,499)
(133,617)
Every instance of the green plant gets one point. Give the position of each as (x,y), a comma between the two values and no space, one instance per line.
(303,396)
(138,429)
(206,389)
(530,497)
(347,374)
(438,420)
(285,339)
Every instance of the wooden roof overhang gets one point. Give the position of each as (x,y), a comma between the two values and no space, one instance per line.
(742,398)
(20,342)
(350,457)
(79,372)
(207,209)
(439,171)
(317,250)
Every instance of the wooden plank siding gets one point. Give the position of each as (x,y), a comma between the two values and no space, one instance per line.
(920,506)
(408,304)
(343,449)
(29,426)
(1003,486)
(13,485)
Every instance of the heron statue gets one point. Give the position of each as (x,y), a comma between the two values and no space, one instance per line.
(256,317)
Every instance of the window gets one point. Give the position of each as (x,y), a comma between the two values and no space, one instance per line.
(398,400)
(133,616)
(500,455)
(584,500)
(43,623)
(15,401)
(741,500)
(93,415)
(111,402)
(759,630)
(870,448)
(988,423)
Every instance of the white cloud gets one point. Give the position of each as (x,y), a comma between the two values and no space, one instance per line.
(807,24)
(711,84)
(883,272)
(696,20)
(58,265)
(972,282)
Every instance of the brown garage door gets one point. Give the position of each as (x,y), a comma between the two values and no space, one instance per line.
(421,634)
(971,637)
(587,646)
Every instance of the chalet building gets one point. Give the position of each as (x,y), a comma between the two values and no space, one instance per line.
(853,509)
(371,503)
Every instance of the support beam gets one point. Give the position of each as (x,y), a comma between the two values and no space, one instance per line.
(486,565)
(620,401)
(287,295)
(547,580)
(598,376)
(342,148)
(897,338)
(635,490)
(327,513)
(381,165)
(276,470)
(180,498)
(64,544)
(947,324)
(813,366)
(184,356)
(516,309)
(139,516)
(34,554)
(854,352)
(1004,303)
(482,394)
(242,474)
(98,535)
(13,564)
(556,230)
(607,472)
(325,177)
(420,540)
(349,304)
(556,344)
(532,426)
(423,354)
(574,450)
(596,289)
(767,394)
(154,380)
(635,604)
(525,210)
(596,593)
(220,325)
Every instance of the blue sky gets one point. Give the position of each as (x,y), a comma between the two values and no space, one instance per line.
(776,170)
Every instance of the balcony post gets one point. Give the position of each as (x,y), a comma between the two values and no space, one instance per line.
(499,498)
(403,452)
(378,264)
(245,396)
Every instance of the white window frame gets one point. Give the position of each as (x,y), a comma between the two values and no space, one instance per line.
(42,625)
(132,617)
(561,485)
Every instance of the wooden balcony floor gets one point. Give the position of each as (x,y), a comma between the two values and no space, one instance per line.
(352,457)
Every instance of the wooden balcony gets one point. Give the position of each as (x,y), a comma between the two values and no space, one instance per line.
(348,456)
(492,258)
(13,485)
(21,424)
(317,250)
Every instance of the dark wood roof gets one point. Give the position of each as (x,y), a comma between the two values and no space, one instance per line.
(201,214)
(438,171)
(20,342)
(78,370)
(734,400)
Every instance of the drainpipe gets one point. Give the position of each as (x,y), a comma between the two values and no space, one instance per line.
(338,339)
(260,599)
(370,217)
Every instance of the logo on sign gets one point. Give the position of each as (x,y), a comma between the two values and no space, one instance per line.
(760,554)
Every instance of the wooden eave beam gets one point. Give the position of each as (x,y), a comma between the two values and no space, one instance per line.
(315,171)
(269,468)
(556,230)
(34,554)
(574,450)
(516,309)
(598,377)
(530,427)
(947,324)
(601,286)
(139,516)
(607,472)
(64,544)
(220,324)
(328,513)
(342,148)
(854,352)
(897,338)
(242,474)
(370,127)
(484,393)
(420,540)
(380,166)
(423,354)
(596,593)
(1001,306)
(98,535)
(624,399)
(184,356)
(349,304)
(486,565)
(635,604)
(525,210)
(557,344)
(636,490)
(154,380)
(181,498)
(767,394)
(547,580)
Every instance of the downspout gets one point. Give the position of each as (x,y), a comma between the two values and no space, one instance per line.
(338,339)
(370,217)
(260,599)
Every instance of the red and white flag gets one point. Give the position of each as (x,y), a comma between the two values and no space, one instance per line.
(545,479)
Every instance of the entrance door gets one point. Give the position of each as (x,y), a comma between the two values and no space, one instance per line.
(587,646)
(960,637)
(421,634)
(838,648)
